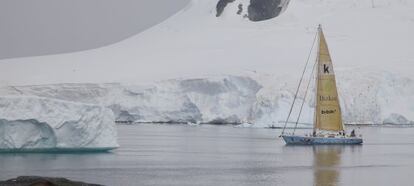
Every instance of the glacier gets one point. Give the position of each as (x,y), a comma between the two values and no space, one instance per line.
(225,99)
(199,68)
(29,123)
(263,100)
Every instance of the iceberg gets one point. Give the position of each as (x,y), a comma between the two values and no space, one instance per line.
(29,123)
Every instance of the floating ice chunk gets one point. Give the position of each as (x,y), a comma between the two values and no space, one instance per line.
(42,124)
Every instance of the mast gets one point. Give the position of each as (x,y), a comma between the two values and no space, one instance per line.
(315,118)
(327,111)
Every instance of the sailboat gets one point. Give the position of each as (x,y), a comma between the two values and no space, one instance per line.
(328,127)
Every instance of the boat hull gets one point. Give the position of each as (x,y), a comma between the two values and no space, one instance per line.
(309,140)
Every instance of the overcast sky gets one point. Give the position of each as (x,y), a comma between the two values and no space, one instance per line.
(41,27)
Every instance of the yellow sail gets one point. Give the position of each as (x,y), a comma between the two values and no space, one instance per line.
(328,112)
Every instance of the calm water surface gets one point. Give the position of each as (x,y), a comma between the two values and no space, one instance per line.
(225,155)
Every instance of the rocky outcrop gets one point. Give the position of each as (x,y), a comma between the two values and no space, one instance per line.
(42,181)
(260,10)
(256,10)
(221,5)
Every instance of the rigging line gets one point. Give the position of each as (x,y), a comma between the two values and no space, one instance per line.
(300,82)
(304,97)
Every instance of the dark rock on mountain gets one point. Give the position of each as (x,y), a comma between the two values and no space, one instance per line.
(221,5)
(42,181)
(256,10)
(260,10)
(240,9)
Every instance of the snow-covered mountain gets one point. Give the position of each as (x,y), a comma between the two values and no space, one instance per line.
(199,66)
(195,42)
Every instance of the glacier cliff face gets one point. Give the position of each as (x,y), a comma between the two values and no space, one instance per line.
(262,99)
(225,99)
(366,97)
(35,123)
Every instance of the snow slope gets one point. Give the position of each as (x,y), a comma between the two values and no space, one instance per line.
(34,124)
(195,42)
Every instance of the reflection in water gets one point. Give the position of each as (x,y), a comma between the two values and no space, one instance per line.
(326,160)
(20,164)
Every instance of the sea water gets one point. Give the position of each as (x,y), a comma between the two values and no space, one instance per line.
(155,154)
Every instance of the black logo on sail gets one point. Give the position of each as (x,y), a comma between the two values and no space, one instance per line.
(328,111)
(325,69)
(327,98)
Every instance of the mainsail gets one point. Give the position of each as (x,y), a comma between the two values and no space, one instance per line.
(327,112)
